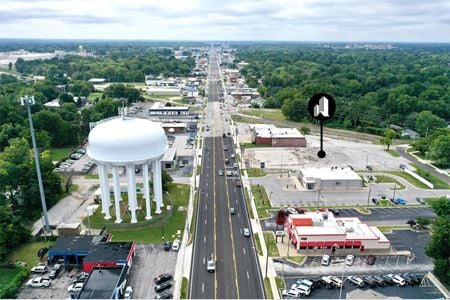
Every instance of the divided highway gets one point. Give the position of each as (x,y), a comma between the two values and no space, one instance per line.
(219,233)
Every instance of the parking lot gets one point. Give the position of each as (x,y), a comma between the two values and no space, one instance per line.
(57,289)
(151,260)
(406,292)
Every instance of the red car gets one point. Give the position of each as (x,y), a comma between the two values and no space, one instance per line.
(371,259)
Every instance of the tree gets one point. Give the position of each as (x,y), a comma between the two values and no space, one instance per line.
(66,98)
(388,137)
(12,231)
(166,179)
(439,150)
(427,122)
(295,109)
(439,247)
(10,65)
(423,222)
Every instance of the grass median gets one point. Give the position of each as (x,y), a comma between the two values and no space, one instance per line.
(437,182)
(271,244)
(256,172)
(261,200)
(269,294)
(412,180)
(184,288)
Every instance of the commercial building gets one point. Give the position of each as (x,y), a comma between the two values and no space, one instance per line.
(160,109)
(331,178)
(109,255)
(169,159)
(105,283)
(163,91)
(267,134)
(321,231)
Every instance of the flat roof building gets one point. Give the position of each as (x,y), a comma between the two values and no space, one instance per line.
(160,109)
(109,255)
(330,178)
(104,283)
(321,230)
(267,134)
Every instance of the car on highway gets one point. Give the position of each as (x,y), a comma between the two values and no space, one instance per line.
(162,278)
(163,286)
(229,173)
(39,269)
(210,264)
(356,281)
(75,288)
(326,259)
(232,211)
(207,128)
(176,245)
(246,231)
(371,259)
(235,166)
(238,183)
(232,156)
(128,294)
(349,259)
(225,148)
(220,172)
(39,282)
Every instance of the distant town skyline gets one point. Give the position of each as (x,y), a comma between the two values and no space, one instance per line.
(255,20)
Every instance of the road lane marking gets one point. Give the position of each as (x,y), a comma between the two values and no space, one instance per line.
(243,249)
(204,239)
(248,276)
(203,288)
(204,260)
(205,221)
(206,207)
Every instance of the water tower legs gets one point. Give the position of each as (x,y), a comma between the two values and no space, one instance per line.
(117,198)
(157,185)
(132,191)
(147,192)
(104,186)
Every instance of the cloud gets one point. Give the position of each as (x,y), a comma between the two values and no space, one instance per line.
(395,20)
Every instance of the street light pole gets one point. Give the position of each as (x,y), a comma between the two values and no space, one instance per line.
(267,258)
(27,101)
(318,197)
(370,188)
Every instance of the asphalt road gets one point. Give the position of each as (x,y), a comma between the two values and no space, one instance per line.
(217,232)
(402,152)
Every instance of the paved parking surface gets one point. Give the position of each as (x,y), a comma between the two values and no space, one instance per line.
(150,261)
(415,240)
(57,289)
(407,292)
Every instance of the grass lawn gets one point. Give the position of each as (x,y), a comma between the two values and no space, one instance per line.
(266,113)
(148,231)
(258,244)
(261,200)
(414,181)
(363,210)
(387,179)
(251,145)
(297,259)
(194,216)
(255,172)
(388,229)
(184,288)
(392,152)
(28,252)
(7,275)
(58,154)
(269,237)
(436,181)
(95,95)
(245,120)
(280,283)
(249,206)
(268,289)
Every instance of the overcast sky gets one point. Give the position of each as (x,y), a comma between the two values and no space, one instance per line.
(292,20)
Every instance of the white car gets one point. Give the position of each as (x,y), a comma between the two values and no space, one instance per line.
(306,282)
(349,259)
(176,245)
(39,269)
(397,279)
(246,231)
(326,260)
(356,281)
(229,173)
(292,210)
(39,282)
(210,264)
(336,280)
(302,289)
(290,293)
(128,293)
(76,287)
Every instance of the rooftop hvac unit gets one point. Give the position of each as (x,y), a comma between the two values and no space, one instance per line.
(349,229)
(325,216)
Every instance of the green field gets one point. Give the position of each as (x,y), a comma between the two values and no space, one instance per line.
(266,113)
(436,181)
(144,231)
(28,252)
(414,181)
(387,179)
(249,206)
(184,288)
(269,237)
(261,200)
(269,294)
(392,152)
(7,275)
(58,154)
(258,244)
(256,172)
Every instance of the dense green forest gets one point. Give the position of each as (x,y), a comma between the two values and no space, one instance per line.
(373,89)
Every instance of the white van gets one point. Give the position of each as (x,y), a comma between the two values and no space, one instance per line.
(301,288)
(176,245)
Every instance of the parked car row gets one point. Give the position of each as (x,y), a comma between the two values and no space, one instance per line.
(162,284)
(304,287)
(175,246)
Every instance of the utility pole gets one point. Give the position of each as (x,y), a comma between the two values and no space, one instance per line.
(368,195)
(281,171)
(318,197)
(367,159)
(28,101)
(395,188)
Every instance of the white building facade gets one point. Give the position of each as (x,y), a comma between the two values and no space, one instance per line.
(330,178)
